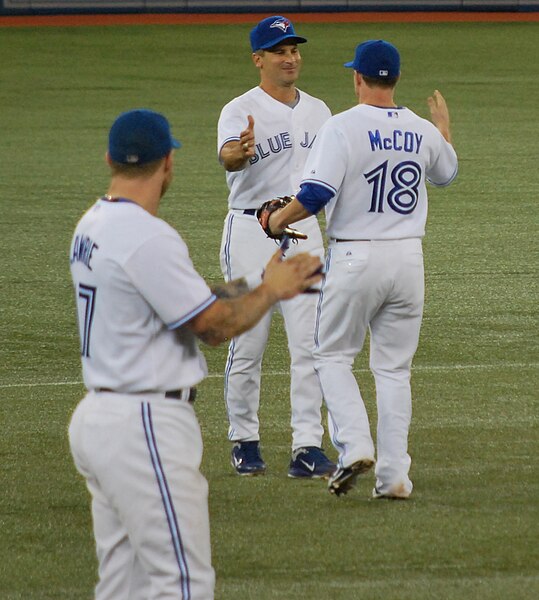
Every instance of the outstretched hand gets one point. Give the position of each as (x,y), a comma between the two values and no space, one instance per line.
(247,138)
(288,278)
(235,154)
(439,114)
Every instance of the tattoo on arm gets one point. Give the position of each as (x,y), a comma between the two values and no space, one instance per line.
(229,317)
(211,336)
(232,289)
(231,321)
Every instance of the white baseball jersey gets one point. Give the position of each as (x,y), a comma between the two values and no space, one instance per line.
(283,139)
(135,285)
(376,161)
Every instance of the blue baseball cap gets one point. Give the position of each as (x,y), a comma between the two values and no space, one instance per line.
(140,136)
(272,31)
(376,58)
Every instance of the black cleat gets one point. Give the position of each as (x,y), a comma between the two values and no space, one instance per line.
(344,478)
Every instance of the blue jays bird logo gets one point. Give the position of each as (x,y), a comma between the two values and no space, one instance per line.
(283,24)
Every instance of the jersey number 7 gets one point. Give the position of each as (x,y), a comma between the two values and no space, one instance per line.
(87,295)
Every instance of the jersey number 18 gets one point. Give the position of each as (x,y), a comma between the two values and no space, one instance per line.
(404,194)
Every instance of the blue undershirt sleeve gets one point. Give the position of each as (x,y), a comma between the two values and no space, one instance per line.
(314,196)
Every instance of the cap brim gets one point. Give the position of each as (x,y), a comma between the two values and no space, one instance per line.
(175,143)
(349,65)
(297,39)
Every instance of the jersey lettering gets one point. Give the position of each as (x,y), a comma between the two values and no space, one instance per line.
(377,177)
(404,195)
(306,143)
(272,145)
(87,294)
(83,248)
(401,141)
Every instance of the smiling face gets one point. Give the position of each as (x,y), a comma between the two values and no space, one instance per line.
(279,66)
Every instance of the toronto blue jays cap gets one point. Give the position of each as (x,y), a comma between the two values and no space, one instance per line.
(140,136)
(272,31)
(376,58)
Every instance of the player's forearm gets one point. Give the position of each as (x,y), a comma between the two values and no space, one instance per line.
(283,279)
(230,317)
(445,131)
(232,289)
(440,114)
(238,287)
(295,211)
(442,124)
(234,157)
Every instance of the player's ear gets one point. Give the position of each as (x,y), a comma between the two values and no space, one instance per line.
(257,59)
(169,161)
(108,159)
(358,80)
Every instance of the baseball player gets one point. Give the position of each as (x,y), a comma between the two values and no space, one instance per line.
(368,168)
(141,305)
(264,137)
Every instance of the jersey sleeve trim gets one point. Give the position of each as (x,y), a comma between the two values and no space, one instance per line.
(323,184)
(232,138)
(235,138)
(314,196)
(192,313)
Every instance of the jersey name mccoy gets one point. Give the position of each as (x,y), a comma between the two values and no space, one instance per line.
(135,285)
(283,138)
(376,161)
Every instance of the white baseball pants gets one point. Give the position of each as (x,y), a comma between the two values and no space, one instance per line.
(245,249)
(376,286)
(140,455)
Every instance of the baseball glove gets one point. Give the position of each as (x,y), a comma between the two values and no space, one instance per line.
(267,209)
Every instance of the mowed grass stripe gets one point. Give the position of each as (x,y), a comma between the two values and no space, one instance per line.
(419,369)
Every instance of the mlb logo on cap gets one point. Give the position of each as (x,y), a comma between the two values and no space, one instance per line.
(272,31)
(376,58)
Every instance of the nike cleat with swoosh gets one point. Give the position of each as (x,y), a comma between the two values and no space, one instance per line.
(246,458)
(310,462)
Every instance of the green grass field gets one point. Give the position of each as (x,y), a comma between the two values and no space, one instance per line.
(471,530)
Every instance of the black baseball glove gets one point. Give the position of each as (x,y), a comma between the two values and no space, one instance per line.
(269,207)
